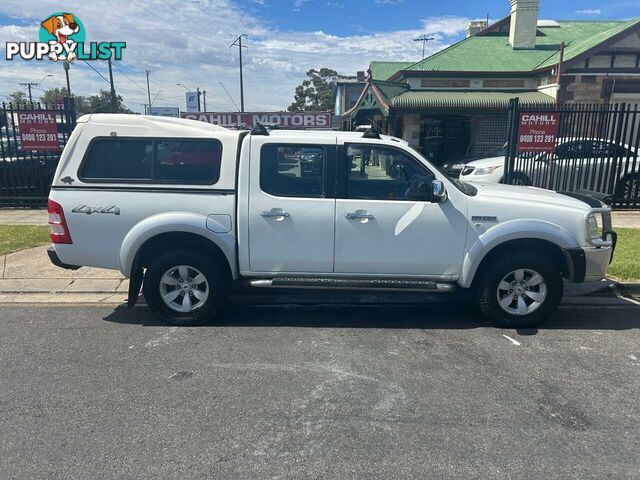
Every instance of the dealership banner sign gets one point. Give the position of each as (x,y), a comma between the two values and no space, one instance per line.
(537,131)
(251,119)
(38,130)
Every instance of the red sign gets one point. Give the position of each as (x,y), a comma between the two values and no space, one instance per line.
(537,131)
(251,119)
(38,130)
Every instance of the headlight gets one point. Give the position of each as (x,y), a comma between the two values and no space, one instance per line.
(457,166)
(593,229)
(486,170)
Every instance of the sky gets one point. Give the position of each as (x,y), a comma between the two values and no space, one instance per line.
(187,41)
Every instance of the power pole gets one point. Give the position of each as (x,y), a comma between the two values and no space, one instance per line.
(424,39)
(199,93)
(29,85)
(148,91)
(204,99)
(67,66)
(114,104)
(238,42)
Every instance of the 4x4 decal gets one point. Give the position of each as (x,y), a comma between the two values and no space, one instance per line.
(112,209)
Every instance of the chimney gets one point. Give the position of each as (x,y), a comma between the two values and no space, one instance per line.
(475,26)
(360,76)
(524,19)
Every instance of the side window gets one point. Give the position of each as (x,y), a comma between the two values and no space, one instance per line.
(152,161)
(292,170)
(111,159)
(188,161)
(380,173)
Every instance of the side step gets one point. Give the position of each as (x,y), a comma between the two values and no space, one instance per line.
(354,284)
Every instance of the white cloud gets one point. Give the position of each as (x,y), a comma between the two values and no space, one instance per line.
(589,11)
(190,44)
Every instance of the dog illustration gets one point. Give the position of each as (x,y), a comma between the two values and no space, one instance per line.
(61,26)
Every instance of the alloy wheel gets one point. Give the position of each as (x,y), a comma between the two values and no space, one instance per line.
(521,291)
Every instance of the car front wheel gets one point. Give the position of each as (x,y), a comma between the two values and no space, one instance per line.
(520,290)
(185,288)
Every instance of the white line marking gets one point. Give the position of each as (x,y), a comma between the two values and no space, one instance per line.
(622,297)
(632,357)
(515,342)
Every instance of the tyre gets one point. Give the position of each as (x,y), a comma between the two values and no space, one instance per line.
(520,290)
(518,178)
(185,288)
(628,186)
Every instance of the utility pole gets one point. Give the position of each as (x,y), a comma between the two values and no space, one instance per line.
(238,42)
(204,100)
(148,91)
(67,66)
(114,103)
(199,93)
(33,84)
(424,39)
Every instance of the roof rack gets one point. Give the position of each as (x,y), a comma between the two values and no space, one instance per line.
(372,132)
(259,129)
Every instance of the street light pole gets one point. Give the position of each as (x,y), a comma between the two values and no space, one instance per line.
(198,92)
(67,66)
(238,42)
(148,91)
(204,99)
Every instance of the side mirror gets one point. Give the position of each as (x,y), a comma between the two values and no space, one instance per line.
(438,192)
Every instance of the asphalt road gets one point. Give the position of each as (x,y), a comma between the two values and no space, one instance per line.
(383,391)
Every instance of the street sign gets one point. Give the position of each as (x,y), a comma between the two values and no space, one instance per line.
(251,119)
(537,131)
(38,130)
(192,101)
(166,111)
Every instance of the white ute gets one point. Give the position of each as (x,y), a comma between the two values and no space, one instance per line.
(187,209)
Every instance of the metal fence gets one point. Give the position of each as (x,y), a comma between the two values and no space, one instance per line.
(25,175)
(596,152)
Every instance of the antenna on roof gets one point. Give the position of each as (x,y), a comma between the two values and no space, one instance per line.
(424,39)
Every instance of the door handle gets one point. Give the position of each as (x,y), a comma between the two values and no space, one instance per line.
(359,215)
(274,213)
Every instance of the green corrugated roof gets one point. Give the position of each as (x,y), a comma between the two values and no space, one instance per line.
(492,52)
(383,70)
(468,99)
(391,89)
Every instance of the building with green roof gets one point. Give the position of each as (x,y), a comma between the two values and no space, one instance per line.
(454,102)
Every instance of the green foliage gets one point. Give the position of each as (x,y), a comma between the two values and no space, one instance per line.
(626,259)
(101,103)
(314,93)
(53,96)
(19,237)
(18,97)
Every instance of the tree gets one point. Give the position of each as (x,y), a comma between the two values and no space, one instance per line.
(101,103)
(18,97)
(52,96)
(314,94)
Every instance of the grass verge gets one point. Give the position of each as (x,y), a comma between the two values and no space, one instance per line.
(18,237)
(626,260)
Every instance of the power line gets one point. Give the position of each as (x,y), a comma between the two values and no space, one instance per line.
(91,66)
(129,78)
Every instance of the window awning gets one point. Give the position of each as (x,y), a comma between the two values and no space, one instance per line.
(467,99)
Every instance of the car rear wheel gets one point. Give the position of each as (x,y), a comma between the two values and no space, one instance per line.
(628,186)
(520,290)
(185,288)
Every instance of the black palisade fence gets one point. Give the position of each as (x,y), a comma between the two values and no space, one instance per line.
(26,173)
(597,152)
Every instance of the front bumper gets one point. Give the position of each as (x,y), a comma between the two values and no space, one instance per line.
(596,262)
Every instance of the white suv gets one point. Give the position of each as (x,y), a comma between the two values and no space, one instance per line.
(187,209)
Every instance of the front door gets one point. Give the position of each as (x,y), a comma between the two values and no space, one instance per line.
(291,206)
(379,230)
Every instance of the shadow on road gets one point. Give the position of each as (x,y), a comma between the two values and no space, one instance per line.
(457,315)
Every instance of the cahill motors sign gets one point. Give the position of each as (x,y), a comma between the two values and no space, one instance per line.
(537,131)
(62,37)
(251,119)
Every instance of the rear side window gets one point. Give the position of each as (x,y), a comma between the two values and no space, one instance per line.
(292,170)
(152,161)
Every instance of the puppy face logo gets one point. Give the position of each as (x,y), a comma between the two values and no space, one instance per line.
(62,28)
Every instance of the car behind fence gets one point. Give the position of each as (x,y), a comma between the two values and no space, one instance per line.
(596,152)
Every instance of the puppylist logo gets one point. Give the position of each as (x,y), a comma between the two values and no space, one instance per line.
(62,37)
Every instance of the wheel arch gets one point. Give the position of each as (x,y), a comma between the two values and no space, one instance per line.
(518,235)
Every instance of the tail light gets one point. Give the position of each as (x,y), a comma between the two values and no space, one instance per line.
(58,228)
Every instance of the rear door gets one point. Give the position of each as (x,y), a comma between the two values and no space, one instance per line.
(291,205)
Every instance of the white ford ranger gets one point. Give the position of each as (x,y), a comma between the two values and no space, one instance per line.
(185,209)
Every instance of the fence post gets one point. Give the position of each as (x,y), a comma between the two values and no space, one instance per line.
(512,139)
